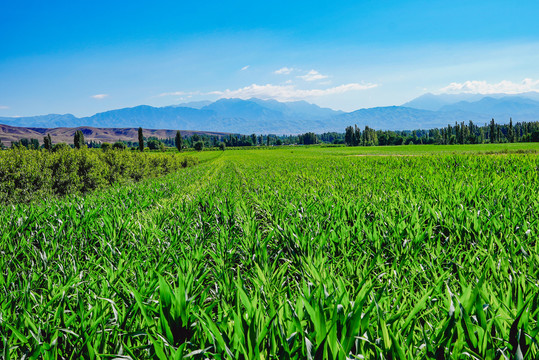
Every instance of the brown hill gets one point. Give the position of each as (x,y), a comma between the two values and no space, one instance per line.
(8,134)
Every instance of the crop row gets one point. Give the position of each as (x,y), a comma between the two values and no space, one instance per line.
(278,255)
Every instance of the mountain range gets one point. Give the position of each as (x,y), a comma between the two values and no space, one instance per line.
(274,117)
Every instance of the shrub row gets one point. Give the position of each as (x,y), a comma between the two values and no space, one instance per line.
(31,174)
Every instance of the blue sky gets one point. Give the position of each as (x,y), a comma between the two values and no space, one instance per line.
(84,57)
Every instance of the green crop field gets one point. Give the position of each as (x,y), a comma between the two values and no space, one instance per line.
(289,253)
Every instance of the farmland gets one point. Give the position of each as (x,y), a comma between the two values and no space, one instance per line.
(293,253)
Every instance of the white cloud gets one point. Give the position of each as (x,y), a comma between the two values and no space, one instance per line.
(483,87)
(312,76)
(99,96)
(174,93)
(287,92)
(283,71)
(4,107)
(245,67)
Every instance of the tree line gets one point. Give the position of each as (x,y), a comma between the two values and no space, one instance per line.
(459,133)
(151,143)
(180,142)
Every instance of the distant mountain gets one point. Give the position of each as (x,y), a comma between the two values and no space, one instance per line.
(298,108)
(51,120)
(434,102)
(149,117)
(482,108)
(402,118)
(274,117)
(194,104)
(501,108)
(533,95)
(224,115)
(505,106)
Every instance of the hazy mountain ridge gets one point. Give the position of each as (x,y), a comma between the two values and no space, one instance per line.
(434,102)
(405,118)
(271,116)
(506,105)
(225,115)
(49,121)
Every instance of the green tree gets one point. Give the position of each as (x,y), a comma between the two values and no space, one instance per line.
(178,141)
(357,136)
(370,138)
(199,145)
(222,146)
(140,139)
(47,142)
(78,140)
(153,144)
(308,138)
(481,135)
(25,142)
(349,136)
(511,131)
(60,146)
(492,131)
(34,144)
(118,145)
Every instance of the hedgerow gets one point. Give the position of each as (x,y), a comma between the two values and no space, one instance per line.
(32,174)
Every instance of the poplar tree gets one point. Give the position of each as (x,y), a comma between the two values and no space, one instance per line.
(178,140)
(511,131)
(140,140)
(492,134)
(47,142)
(78,140)
(357,136)
(349,136)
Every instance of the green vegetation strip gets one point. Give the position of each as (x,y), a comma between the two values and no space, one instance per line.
(287,254)
(29,175)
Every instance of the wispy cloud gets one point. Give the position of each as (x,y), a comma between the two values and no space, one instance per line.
(99,96)
(245,67)
(312,76)
(4,107)
(483,87)
(287,92)
(283,71)
(174,93)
